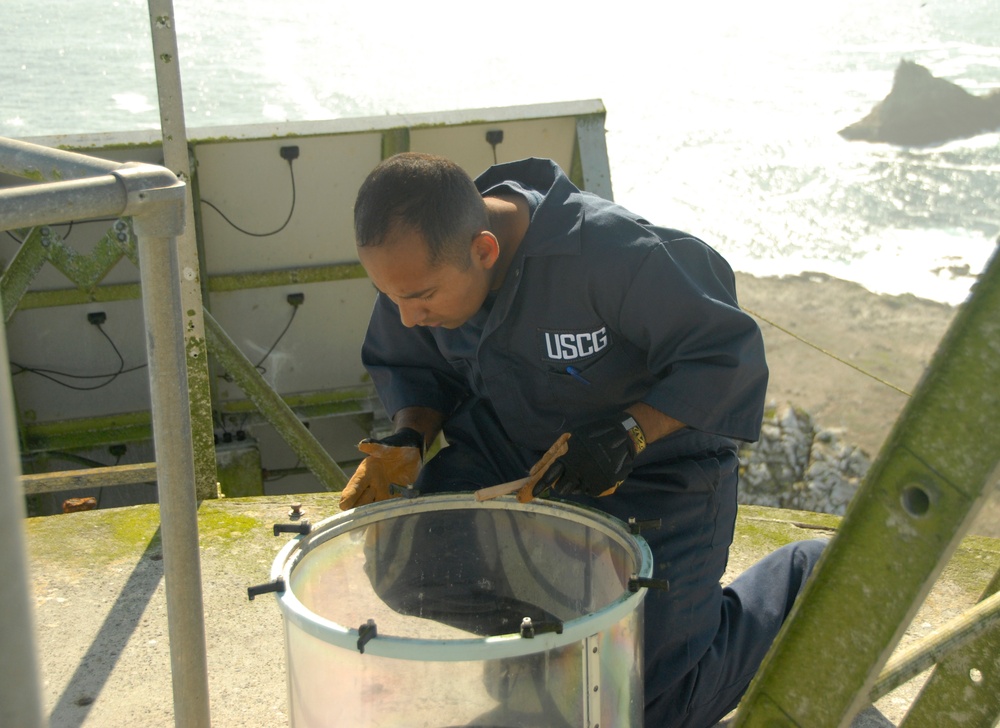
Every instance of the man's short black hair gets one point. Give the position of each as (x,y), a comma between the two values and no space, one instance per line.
(428,194)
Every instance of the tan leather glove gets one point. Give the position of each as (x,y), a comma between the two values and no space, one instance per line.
(525,487)
(559,448)
(393,460)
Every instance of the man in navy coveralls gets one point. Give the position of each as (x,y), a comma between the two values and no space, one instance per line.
(515,308)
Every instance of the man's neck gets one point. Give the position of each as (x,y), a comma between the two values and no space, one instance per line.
(509,217)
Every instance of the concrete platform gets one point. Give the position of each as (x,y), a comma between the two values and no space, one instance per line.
(97,581)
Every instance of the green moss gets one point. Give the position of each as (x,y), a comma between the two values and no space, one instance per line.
(93,538)
(313,404)
(974,564)
(218,524)
(110,147)
(759,530)
(135,527)
(88,432)
(98,538)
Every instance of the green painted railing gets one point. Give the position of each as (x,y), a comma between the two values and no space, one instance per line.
(919,498)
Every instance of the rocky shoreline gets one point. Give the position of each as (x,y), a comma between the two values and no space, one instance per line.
(800,466)
(830,407)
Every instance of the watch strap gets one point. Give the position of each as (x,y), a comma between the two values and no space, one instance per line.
(635,434)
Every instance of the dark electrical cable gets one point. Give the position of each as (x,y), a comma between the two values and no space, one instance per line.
(291,211)
(258,365)
(51,374)
(69,228)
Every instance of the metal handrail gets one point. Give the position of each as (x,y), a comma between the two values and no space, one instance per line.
(156,200)
(21,159)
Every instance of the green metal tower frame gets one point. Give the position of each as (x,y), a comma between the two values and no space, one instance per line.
(913,509)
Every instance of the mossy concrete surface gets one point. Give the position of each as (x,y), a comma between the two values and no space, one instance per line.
(97,580)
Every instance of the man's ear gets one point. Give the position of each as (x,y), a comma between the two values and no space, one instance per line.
(486,249)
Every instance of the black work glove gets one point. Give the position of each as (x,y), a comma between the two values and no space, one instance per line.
(598,460)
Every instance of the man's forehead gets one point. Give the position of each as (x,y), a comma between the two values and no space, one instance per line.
(399,268)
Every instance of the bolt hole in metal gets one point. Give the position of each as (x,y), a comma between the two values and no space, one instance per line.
(976,676)
(916,501)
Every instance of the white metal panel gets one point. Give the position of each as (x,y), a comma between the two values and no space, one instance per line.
(467,145)
(320,350)
(62,340)
(250,182)
(240,169)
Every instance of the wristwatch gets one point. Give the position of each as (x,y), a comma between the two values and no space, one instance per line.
(635,434)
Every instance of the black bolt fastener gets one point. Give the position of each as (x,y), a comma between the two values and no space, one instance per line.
(530,628)
(278,585)
(303,528)
(366,633)
(635,583)
(635,527)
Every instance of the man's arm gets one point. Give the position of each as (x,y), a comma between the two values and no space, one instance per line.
(426,421)
(654,423)
(681,308)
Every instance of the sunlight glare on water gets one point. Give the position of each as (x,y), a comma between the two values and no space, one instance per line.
(722,118)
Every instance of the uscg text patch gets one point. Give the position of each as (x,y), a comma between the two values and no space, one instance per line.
(573,345)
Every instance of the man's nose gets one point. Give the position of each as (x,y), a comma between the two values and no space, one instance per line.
(411,313)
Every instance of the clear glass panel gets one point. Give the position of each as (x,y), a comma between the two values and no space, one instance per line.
(466,574)
(460,573)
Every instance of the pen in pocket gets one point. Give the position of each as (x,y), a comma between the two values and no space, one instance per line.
(575,373)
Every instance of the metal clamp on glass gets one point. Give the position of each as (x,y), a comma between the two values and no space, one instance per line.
(366,633)
(529,628)
(635,583)
(278,585)
(407,491)
(303,528)
(636,527)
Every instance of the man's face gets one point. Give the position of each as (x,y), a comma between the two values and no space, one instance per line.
(440,295)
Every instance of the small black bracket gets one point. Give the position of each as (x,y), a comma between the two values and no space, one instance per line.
(366,633)
(635,583)
(636,527)
(494,137)
(278,585)
(302,527)
(529,628)
(407,491)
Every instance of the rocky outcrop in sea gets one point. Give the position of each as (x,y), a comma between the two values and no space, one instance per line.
(922,110)
(796,464)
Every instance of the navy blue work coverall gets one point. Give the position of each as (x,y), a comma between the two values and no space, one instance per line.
(599,310)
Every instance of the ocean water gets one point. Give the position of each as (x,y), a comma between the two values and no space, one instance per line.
(722,119)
